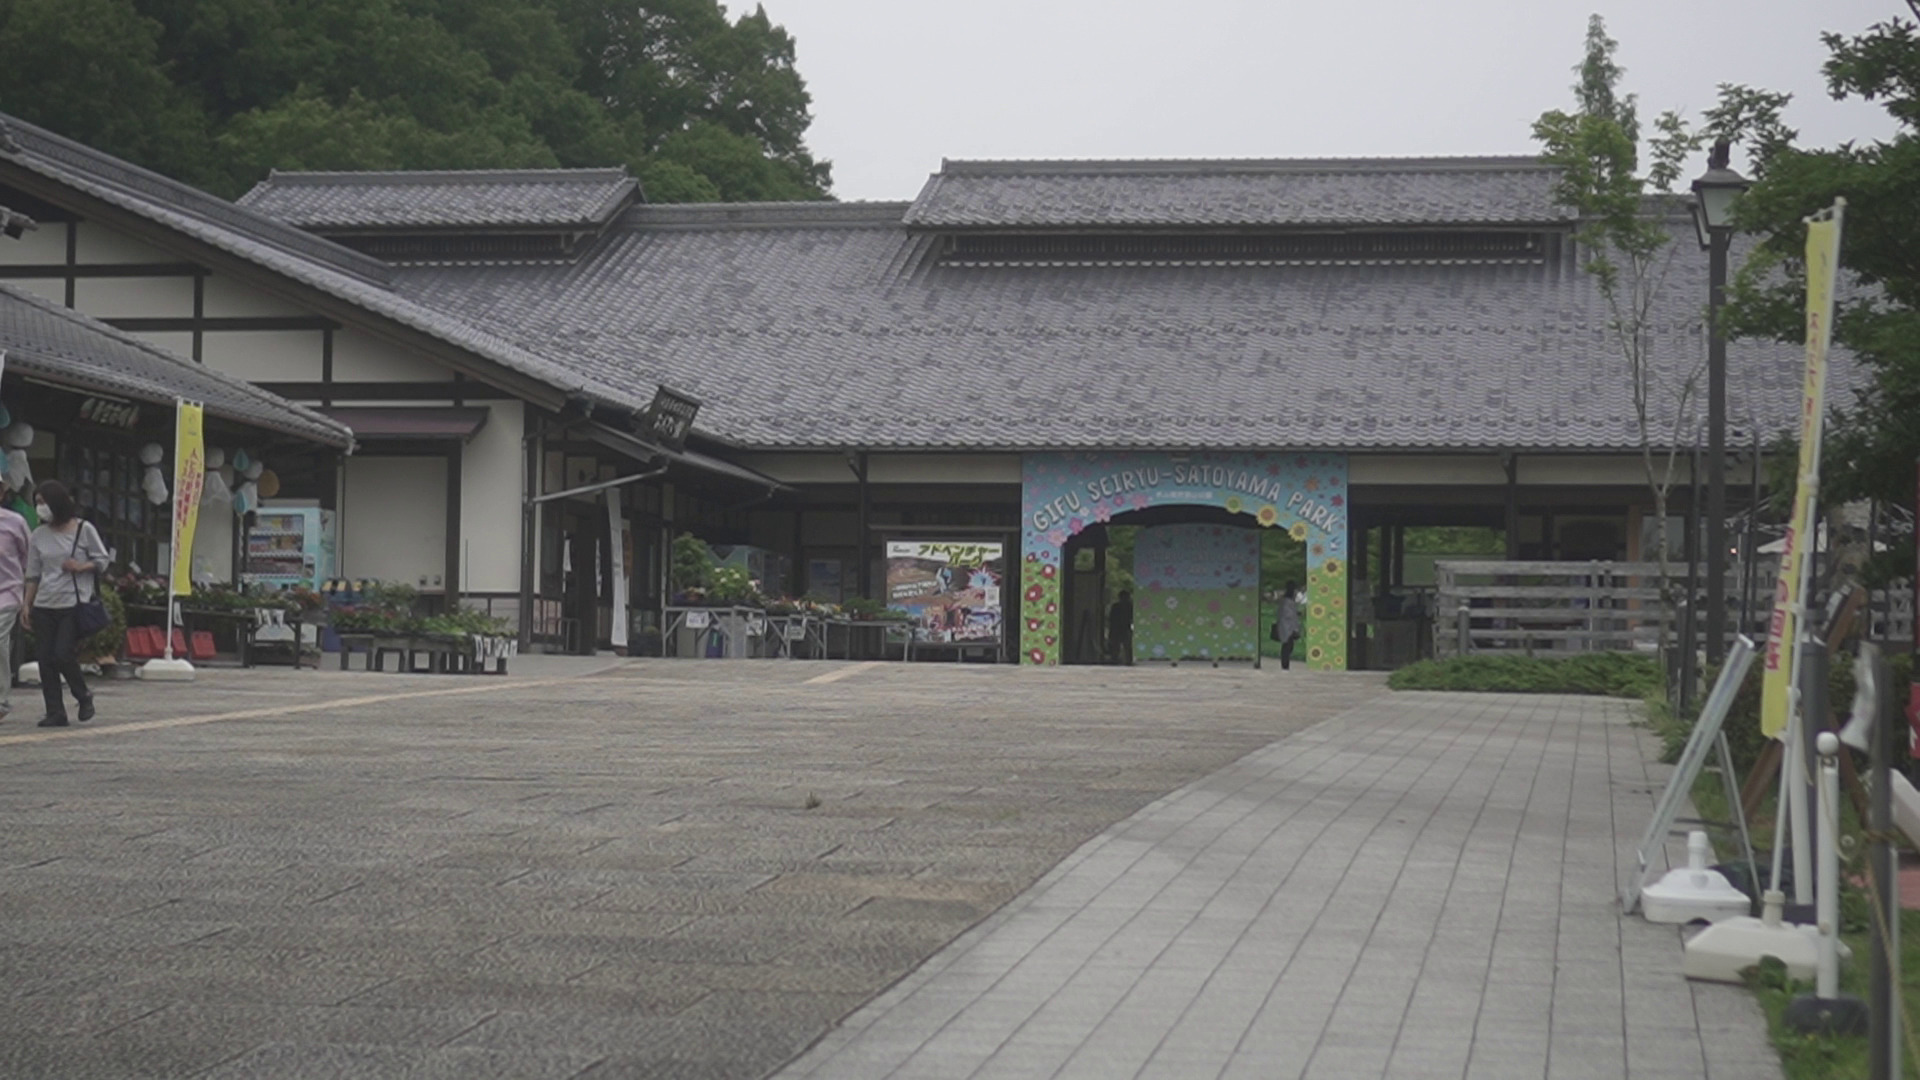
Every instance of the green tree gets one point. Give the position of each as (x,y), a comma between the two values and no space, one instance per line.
(217,91)
(1872,442)
(1627,245)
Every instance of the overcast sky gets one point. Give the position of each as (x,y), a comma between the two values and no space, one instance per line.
(899,84)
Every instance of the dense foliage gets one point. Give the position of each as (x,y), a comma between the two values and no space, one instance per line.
(1743,716)
(216,92)
(1609,674)
(1872,445)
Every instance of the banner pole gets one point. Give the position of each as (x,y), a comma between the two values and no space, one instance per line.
(173,536)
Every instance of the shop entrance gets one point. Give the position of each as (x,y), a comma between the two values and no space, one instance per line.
(1204,586)
(1075,508)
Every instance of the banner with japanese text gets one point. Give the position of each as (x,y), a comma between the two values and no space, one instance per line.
(1823,267)
(189,473)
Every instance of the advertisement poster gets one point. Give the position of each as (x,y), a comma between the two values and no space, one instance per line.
(189,472)
(950,588)
(1823,259)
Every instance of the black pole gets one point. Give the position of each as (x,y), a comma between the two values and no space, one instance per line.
(1752,549)
(1688,620)
(1883,1031)
(1717,447)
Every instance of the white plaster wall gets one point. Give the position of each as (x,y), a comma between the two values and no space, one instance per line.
(142,297)
(54,289)
(1426,469)
(177,342)
(943,469)
(46,244)
(491,470)
(361,357)
(265,355)
(99,244)
(393,522)
(226,298)
(1621,470)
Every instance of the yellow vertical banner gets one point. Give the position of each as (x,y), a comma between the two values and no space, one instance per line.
(1823,267)
(189,476)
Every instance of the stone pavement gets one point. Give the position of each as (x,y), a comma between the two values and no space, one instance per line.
(1421,887)
(663,869)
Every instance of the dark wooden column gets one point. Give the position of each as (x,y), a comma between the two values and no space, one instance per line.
(451,579)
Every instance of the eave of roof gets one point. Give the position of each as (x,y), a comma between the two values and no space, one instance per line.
(253,238)
(91,355)
(1233,194)
(343,203)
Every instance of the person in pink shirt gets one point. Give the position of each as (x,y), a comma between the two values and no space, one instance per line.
(13,575)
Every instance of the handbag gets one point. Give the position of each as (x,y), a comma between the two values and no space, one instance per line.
(89,616)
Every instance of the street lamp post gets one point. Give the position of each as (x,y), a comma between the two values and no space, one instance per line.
(1713,195)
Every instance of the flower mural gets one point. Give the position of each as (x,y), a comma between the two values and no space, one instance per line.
(1062,493)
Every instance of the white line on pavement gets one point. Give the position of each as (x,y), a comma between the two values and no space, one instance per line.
(255,714)
(836,676)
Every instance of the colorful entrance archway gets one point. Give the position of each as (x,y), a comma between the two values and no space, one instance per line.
(1306,494)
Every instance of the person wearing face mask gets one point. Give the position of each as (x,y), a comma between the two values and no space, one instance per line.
(13,573)
(64,558)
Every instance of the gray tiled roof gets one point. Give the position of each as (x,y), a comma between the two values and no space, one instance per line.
(62,346)
(1215,194)
(491,199)
(280,248)
(834,326)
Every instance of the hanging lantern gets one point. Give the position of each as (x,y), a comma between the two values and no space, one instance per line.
(269,484)
(241,460)
(216,458)
(252,469)
(19,473)
(18,436)
(214,489)
(152,453)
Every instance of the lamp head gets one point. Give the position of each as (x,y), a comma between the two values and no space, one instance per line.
(1715,191)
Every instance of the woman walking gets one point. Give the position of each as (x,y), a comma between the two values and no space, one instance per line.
(64,560)
(1286,627)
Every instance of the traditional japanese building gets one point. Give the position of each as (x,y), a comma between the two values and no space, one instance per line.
(1030,353)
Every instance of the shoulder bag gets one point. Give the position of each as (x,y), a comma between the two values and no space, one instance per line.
(90,615)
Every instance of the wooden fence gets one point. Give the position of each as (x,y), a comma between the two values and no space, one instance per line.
(1549,607)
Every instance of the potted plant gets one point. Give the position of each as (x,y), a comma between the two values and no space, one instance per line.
(693,569)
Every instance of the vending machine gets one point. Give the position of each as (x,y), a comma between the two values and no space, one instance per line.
(289,546)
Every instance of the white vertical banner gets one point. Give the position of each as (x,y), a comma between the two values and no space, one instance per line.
(617,543)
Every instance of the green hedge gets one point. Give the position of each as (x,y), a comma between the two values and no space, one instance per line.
(1610,674)
(1743,716)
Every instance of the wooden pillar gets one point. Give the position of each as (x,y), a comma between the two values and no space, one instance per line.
(451,579)
(529,529)
(1513,506)
(865,548)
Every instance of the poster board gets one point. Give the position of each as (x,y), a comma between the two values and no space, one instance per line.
(951,589)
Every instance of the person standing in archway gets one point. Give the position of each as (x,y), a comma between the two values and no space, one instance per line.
(1120,629)
(1286,625)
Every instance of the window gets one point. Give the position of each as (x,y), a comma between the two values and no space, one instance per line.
(105,481)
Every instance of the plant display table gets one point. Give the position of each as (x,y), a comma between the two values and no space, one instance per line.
(866,639)
(735,628)
(446,654)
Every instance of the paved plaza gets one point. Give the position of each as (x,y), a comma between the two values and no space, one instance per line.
(700,869)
